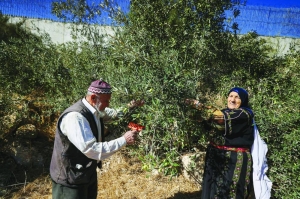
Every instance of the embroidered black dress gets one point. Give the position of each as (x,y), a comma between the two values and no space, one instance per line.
(228,164)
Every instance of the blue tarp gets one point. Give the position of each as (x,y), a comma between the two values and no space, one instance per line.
(266,17)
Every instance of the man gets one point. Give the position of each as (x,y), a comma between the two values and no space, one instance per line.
(79,144)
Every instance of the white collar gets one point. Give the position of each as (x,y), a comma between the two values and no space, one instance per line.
(89,106)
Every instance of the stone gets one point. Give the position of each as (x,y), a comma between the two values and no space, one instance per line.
(25,155)
(193,165)
(27,131)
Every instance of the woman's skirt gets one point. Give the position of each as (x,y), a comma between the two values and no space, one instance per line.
(227,174)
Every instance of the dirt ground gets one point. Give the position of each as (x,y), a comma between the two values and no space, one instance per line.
(120,178)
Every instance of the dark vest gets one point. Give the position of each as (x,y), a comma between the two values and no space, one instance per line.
(69,166)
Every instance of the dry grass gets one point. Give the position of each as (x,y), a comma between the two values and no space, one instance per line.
(121,178)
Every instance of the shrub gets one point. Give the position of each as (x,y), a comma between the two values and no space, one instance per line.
(32,73)
(164,53)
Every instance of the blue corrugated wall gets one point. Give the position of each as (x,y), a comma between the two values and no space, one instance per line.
(266,17)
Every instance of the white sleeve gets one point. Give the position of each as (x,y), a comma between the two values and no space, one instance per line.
(261,183)
(76,127)
(111,114)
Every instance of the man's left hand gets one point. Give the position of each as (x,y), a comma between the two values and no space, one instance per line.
(136,103)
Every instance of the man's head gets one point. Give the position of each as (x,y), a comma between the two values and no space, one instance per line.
(99,94)
(100,87)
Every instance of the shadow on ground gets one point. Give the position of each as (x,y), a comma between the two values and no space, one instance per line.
(14,176)
(184,195)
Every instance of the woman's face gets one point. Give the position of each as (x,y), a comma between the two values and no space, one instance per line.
(233,101)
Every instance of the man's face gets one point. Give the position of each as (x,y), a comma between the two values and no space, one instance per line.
(102,101)
(233,101)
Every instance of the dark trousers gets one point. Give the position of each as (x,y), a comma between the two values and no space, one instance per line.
(88,191)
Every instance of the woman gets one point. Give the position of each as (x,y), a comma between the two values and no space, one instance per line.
(228,163)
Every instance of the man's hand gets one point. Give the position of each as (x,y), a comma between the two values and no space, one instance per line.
(136,103)
(131,136)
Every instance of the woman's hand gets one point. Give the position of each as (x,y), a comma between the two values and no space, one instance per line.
(189,101)
(194,103)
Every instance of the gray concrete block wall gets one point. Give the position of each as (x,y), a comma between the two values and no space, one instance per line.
(58,32)
(283,44)
(62,33)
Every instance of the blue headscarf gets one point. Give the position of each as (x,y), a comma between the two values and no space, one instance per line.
(243,94)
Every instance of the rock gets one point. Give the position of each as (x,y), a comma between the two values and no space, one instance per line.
(155,172)
(27,131)
(193,165)
(25,155)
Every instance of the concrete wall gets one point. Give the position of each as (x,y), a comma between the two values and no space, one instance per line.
(61,33)
(283,44)
(58,32)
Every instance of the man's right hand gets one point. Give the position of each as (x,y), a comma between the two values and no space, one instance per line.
(131,136)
